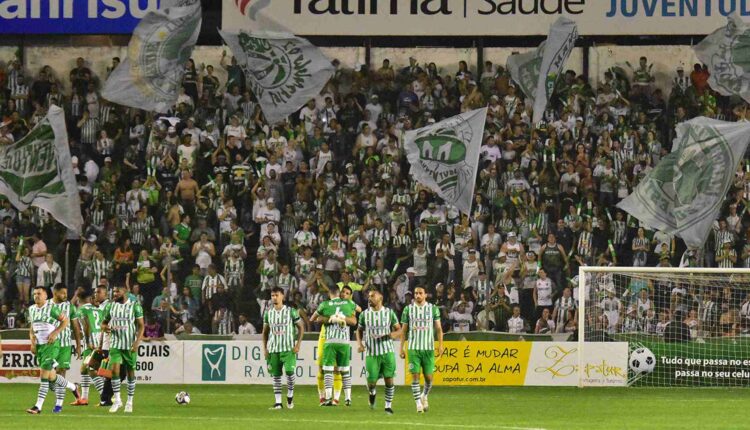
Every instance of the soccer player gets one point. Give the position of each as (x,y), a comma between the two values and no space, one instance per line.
(337,384)
(279,346)
(60,300)
(90,316)
(123,319)
(47,323)
(337,315)
(420,321)
(380,326)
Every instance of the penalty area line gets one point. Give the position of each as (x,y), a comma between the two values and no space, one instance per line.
(385,422)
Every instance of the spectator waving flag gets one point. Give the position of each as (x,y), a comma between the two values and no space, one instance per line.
(282,70)
(536,72)
(683,194)
(726,52)
(445,156)
(37,171)
(161,45)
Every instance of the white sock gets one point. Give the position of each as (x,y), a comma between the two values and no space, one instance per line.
(85,383)
(277,389)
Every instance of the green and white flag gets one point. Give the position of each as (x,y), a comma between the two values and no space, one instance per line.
(536,72)
(445,156)
(282,70)
(37,171)
(160,46)
(726,52)
(683,194)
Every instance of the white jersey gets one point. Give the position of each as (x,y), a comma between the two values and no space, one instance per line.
(513,252)
(515,325)
(544,292)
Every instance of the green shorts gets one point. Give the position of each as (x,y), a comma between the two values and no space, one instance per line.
(278,361)
(421,361)
(380,366)
(63,357)
(47,354)
(336,355)
(123,356)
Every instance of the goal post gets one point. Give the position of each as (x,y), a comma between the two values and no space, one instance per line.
(663,326)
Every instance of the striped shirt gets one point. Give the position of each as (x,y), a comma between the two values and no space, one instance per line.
(25,267)
(402,239)
(619,232)
(211,284)
(563,305)
(43,321)
(378,238)
(90,131)
(423,236)
(727,262)
(234,269)
(721,236)
(139,231)
(281,328)
(20,93)
(585,244)
(377,326)
(421,323)
(287,282)
(100,269)
(121,319)
(49,276)
(65,308)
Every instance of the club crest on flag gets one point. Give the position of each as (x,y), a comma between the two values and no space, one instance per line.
(726,52)
(445,156)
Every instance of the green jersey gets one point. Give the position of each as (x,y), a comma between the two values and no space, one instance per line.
(93,316)
(334,332)
(43,321)
(377,327)
(121,318)
(282,330)
(421,320)
(66,337)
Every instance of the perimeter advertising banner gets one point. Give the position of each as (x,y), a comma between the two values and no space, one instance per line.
(481,17)
(72,16)
(158,363)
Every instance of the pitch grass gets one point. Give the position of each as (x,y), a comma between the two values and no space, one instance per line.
(216,407)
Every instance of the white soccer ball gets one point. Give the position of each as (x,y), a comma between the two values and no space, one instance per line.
(642,360)
(182,398)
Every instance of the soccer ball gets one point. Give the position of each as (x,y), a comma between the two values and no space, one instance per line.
(182,398)
(642,360)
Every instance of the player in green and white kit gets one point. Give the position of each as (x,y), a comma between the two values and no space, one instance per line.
(47,323)
(281,345)
(337,315)
(60,300)
(380,326)
(90,317)
(123,319)
(421,320)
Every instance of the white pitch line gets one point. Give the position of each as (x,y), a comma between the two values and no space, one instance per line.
(385,421)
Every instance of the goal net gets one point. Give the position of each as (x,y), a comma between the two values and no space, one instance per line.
(667,326)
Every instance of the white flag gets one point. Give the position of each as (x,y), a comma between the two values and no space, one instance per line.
(161,45)
(445,156)
(37,171)
(536,72)
(282,70)
(683,194)
(726,52)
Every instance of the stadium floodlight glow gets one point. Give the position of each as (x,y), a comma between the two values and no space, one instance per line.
(664,326)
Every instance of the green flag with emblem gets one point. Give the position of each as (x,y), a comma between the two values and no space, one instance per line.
(726,52)
(161,45)
(36,171)
(283,71)
(683,194)
(536,72)
(445,156)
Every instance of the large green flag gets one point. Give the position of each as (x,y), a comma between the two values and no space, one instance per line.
(37,171)
(160,46)
(726,52)
(683,194)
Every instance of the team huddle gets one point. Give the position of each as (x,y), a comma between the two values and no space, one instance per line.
(376,329)
(106,334)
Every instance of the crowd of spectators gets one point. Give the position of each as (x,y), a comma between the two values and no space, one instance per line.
(205,209)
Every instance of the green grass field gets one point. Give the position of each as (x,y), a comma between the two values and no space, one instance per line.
(223,407)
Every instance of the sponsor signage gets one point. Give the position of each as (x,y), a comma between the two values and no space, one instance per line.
(158,363)
(482,17)
(72,16)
